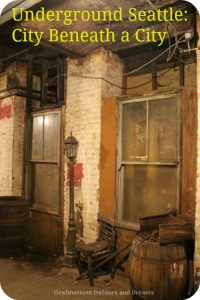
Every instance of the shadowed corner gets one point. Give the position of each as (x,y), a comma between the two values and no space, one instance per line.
(3,296)
(196,3)
(196,295)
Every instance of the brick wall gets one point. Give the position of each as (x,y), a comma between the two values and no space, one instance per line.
(19,71)
(12,145)
(18,146)
(83,116)
(12,118)
(6,143)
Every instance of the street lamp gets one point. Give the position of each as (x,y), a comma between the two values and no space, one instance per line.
(71,146)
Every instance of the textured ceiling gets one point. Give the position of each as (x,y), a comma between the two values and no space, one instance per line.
(81,49)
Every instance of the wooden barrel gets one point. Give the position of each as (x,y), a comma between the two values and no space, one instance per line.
(14,218)
(158,272)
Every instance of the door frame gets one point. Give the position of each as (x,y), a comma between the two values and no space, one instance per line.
(61,164)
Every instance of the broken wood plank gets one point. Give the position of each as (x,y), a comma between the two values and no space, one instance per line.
(170,233)
(151,223)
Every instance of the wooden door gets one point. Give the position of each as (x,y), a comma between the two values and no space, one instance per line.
(46,230)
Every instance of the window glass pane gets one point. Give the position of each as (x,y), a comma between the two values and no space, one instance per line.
(46,186)
(134,132)
(148,190)
(163,130)
(51,137)
(37,138)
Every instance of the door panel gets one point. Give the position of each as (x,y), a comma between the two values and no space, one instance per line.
(51,137)
(46,222)
(37,138)
(46,232)
(46,187)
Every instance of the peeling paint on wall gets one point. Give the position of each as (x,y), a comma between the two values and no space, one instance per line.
(78,174)
(6,106)
(79,220)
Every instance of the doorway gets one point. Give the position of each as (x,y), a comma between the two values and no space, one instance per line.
(46,226)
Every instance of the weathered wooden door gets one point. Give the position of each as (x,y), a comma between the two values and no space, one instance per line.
(46,230)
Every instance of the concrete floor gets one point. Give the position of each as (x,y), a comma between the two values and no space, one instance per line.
(29,279)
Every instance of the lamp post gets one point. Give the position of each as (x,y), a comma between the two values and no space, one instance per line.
(71,146)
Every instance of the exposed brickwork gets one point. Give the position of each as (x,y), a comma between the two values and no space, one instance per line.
(17,68)
(6,106)
(18,146)
(83,116)
(12,148)
(6,145)
(12,123)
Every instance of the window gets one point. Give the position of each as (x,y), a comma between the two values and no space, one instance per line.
(45,160)
(45,81)
(149,158)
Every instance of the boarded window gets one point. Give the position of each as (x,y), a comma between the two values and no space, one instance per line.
(149,158)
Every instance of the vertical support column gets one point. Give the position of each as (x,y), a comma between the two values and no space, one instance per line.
(12,126)
(154,76)
(44,87)
(197,218)
(60,80)
(29,85)
(71,236)
(84,117)
(182,74)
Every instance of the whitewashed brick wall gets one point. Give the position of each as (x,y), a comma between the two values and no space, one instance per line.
(12,118)
(12,123)
(18,146)
(12,147)
(6,146)
(83,116)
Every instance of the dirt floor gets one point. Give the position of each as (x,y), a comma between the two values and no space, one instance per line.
(28,278)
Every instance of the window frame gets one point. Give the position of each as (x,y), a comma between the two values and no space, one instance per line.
(35,206)
(121,163)
(43,161)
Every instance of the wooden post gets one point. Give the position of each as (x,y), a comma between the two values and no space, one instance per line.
(44,88)
(154,76)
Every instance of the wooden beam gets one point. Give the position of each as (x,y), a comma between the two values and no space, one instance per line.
(60,81)
(60,49)
(29,85)
(154,76)
(44,87)
(151,223)
(182,74)
(173,233)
